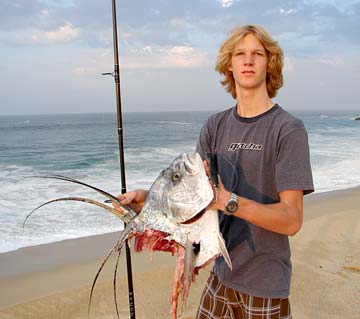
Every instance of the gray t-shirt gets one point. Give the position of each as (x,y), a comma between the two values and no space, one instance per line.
(257,157)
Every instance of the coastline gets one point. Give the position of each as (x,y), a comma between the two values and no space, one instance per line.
(53,280)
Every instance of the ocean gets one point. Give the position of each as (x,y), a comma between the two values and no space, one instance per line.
(84,146)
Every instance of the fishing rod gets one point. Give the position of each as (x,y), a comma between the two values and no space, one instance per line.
(116,75)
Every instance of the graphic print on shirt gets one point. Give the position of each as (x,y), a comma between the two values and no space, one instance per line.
(245,146)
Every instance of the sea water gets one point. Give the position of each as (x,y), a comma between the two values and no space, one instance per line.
(85,147)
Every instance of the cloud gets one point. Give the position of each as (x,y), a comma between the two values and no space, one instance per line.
(287,12)
(44,13)
(85,71)
(147,57)
(92,62)
(226,3)
(180,22)
(64,33)
(332,61)
(166,57)
(183,56)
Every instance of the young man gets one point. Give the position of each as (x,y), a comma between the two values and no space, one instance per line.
(264,168)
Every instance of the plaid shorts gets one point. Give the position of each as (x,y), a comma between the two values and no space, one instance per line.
(218,301)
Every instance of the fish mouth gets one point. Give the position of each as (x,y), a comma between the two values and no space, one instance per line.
(190,164)
(194,218)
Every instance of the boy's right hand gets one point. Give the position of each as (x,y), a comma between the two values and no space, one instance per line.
(134,199)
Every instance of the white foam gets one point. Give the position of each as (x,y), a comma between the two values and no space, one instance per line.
(53,222)
(337,175)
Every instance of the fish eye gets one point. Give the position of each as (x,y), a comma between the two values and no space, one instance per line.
(176,176)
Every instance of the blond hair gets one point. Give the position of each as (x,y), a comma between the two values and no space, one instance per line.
(274,78)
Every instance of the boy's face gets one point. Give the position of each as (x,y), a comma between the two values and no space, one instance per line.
(249,63)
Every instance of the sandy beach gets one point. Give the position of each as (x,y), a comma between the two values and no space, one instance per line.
(54,280)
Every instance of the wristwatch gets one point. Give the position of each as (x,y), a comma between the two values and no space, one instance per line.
(231,205)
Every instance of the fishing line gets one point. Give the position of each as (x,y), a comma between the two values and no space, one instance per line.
(234,171)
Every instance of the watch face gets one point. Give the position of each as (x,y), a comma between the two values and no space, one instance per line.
(231,206)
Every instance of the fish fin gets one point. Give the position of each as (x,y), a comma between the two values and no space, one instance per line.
(224,251)
(126,217)
(73,180)
(98,273)
(123,236)
(189,265)
(114,283)
(177,282)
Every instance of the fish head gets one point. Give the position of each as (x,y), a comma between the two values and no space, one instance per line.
(182,190)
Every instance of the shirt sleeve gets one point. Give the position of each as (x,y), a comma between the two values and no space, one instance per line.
(293,168)
(203,146)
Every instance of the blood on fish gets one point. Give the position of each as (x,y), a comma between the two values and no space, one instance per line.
(154,240)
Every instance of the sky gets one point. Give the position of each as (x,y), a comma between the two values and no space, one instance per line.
(52,53)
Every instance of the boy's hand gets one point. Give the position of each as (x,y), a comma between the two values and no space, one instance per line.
(134,199)
(221,195)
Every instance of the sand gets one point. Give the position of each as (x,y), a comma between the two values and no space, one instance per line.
(54,280)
